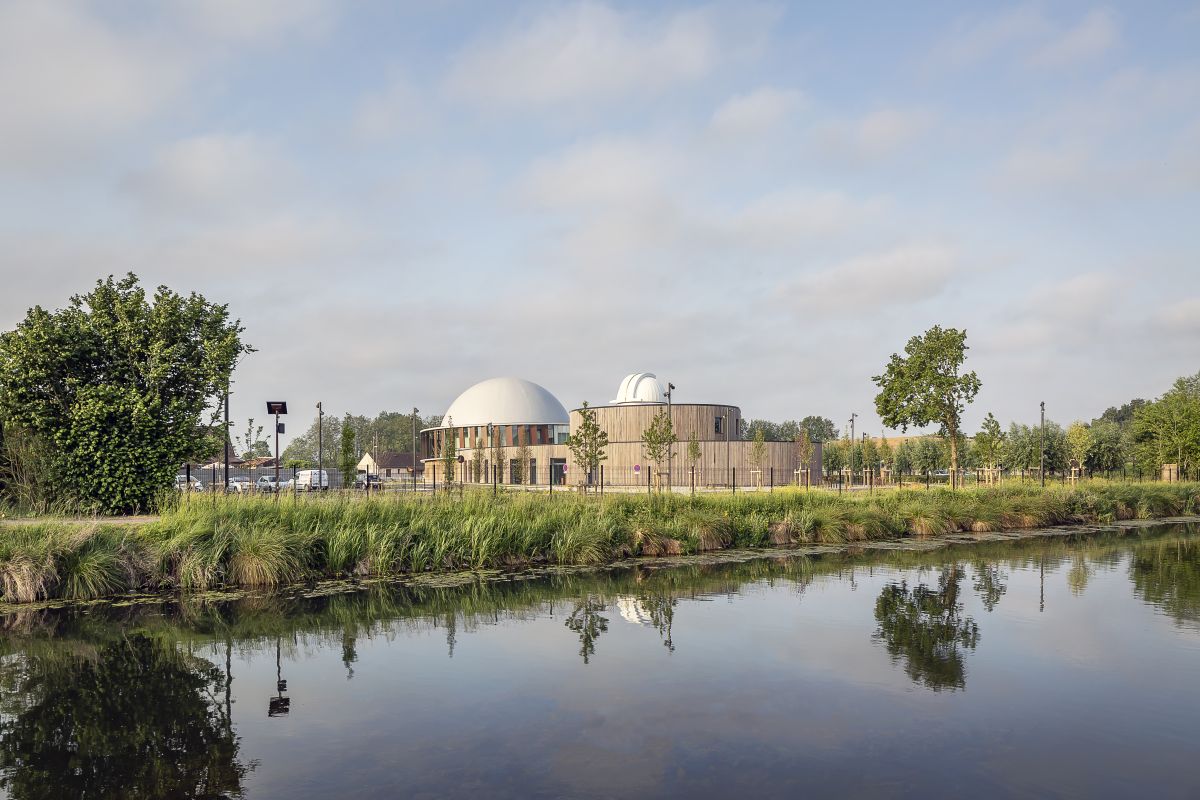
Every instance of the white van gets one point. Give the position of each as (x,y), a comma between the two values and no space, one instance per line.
(311,480)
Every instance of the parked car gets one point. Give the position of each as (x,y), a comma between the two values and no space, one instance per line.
(365,481)
(238,484)
(312,480)
(181,483)
(266,483)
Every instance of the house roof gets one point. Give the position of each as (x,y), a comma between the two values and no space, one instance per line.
(390,460)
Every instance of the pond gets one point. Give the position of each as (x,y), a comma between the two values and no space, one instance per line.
(1066,666)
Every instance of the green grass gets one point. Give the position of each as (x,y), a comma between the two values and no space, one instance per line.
(264,541)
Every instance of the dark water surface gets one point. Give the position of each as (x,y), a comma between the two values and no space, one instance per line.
(1065,667)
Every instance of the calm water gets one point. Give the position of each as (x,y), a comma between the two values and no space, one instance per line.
(1029,669)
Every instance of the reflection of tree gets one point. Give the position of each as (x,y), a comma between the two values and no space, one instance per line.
(989,583)
(661,610)
(139,719)
(586,621)
(924,627)
(1079,574)
(1167,575)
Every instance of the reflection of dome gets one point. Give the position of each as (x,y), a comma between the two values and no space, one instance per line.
(640,387)
(631,611)
(505,401)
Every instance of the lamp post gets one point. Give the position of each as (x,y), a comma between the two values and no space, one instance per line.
(864,457)
(320,447)
(850,453)
(278,408)
(414,448)
(1042,446)
(671,447)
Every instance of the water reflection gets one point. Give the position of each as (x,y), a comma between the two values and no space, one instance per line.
(136,717)
(925,628)
(134,700)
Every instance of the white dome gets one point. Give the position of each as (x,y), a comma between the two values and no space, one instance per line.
(641,387)
(505,401)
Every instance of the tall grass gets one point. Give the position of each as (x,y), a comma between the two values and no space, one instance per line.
(264,541)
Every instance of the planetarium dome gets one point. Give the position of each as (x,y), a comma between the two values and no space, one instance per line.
(505,401)
(640,387)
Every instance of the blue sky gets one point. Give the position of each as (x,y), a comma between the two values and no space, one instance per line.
(757,202)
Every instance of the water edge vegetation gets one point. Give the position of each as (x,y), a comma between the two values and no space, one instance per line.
(215,542)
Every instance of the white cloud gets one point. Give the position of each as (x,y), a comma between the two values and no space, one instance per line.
(398,108)
(793,217)
(977,40)
(213,176)
(243,20)
(900,276)
(586,52)
(875,135)
(67,80)
(1182,317)
(601,173)
(754,113)
(1037,168)
(1094,35)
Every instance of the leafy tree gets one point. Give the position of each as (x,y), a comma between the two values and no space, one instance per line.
(251,444)
(833,457)
(905,457)
(886,456)
(658,439)
(392,430)
(347,463)
(497,455)
(113,390)
(1123,416)
(990,442)
(587,443)
(449,454)
(693,450)
(1167,431)
(1020,448)
(927,455)
(820,429)
(1108,447)
(758,450)
(804,450)
(521,462)
(925,386)
(298,463)
(477,463)
(1079,443)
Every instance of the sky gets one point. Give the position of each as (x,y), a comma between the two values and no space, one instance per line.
(758,202)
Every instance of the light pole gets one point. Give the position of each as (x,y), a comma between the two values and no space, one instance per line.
(1042,447)
(850,453)
(320,448)
(278,409)
(414,448)
(671,447)
(864,457)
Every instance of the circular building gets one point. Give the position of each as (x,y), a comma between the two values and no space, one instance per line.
(487,424)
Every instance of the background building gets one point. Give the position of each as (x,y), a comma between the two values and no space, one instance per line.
(517,412)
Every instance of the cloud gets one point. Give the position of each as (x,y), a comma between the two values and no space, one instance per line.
(977,40)
(875,135)
(214,175)
(1037,167)
(398,108)
(901,276)
(754,113)
(67,79)
(239,20)
(605,172)
(793,217)
(586,52)
(1093,36)
(1182,317)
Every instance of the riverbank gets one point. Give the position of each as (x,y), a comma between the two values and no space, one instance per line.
(213,543)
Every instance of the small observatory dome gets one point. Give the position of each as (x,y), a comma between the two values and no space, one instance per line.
(640,387)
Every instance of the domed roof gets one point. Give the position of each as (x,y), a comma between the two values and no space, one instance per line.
(640,387)
(505,401)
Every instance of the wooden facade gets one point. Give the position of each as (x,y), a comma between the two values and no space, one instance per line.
(724,457)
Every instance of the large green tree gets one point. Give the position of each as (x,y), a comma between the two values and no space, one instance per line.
(926,386)
(587,443)
(820,429)
(1167,431)
(118,389)
(657,441)
(347,461)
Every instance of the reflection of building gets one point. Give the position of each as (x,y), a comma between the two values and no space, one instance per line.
(518,412)
(631,611)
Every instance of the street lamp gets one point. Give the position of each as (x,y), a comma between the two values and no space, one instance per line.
(670,448)
(1042,446)
(320,447)
(414,448)
(277,408)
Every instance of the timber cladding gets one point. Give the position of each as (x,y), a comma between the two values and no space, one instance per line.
(625,423)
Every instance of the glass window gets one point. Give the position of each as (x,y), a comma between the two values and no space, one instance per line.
(533,470)
(717,424)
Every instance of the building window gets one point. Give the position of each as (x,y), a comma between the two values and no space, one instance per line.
(717,426)
(513,477)
(533,470)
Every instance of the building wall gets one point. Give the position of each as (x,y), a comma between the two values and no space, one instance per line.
(625,423)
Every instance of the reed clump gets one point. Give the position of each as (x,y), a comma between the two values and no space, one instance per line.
(267,541)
